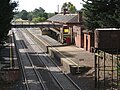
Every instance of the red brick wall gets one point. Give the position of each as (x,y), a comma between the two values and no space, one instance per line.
(85,41)
(88,41)
(78,35)
(78,41)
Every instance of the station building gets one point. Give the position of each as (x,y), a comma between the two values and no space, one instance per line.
(71,27)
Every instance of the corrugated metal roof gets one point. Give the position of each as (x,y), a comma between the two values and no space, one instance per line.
(108,29)
(67,18)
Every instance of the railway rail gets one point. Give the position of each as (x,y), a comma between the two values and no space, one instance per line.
(29,71)
(55,65)
(49,75)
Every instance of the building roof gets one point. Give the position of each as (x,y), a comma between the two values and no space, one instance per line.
(67,18)
(111,29)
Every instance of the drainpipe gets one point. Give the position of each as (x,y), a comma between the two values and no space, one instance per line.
(79,16)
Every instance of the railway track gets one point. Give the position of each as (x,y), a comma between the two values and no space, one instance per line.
(51,76)
(40,68)
(45,59)
(58,75)
(32,80)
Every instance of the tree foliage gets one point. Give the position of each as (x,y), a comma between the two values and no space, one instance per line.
(101,13)
(68,5)
(37,15)
(24,15)
(38,19)
(6,15)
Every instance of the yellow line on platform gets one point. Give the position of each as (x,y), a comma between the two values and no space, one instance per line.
(11,52)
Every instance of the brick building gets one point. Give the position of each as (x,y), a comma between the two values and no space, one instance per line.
(73,30)
(66,34)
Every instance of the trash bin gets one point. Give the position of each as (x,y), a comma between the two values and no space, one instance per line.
(73,69)
(68,40)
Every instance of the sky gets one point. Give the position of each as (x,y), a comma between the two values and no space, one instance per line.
(50,6)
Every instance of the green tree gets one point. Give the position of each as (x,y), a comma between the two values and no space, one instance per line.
(30,16)
(6,15)
(24,15)
(38,12)
(101,13)
(39,19)
(50,14)
(68,5)
(33,15)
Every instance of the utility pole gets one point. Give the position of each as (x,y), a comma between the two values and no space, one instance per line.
(58,8)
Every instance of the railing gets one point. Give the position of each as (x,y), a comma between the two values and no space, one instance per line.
(35,25)
(107,69)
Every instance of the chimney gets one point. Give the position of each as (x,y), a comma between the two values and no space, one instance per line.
(56,13)
(65,11)
(79,16)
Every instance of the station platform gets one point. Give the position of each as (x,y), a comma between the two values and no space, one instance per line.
(9,68)
(71,58)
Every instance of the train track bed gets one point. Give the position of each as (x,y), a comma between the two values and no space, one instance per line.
(10,76)
(32,56)
(31,77)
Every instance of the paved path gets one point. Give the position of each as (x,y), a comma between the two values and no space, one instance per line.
(78,55)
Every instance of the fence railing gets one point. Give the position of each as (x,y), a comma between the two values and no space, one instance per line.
(107,69)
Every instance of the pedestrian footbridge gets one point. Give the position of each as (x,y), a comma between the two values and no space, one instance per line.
(38,25)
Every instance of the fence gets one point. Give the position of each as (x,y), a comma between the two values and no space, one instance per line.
(107,69)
